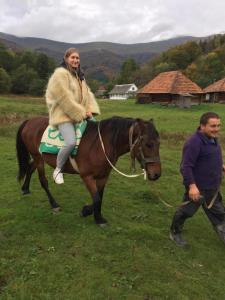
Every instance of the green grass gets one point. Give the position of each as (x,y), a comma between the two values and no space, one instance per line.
(45,256)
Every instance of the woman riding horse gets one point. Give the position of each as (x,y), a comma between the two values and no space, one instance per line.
(69,101)
(119,136)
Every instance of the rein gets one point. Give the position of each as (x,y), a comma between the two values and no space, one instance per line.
(131,148)
(132,144)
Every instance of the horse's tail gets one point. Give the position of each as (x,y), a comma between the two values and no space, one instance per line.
(23,156)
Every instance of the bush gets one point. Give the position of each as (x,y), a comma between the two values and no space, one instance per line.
(37,87)
(22,78)
(5,81)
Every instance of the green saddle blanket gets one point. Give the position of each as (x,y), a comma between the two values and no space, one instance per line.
(52,141)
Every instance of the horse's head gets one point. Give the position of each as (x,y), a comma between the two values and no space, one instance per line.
(144,144)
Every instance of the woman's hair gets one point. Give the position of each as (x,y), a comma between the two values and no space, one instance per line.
(69,51)
(76,72)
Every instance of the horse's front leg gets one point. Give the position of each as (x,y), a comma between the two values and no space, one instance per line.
(96,189)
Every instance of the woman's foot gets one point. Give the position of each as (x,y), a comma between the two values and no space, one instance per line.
(58,176)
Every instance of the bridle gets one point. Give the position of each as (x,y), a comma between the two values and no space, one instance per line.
(138,142)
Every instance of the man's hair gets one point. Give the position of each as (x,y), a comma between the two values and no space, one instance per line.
(206,116)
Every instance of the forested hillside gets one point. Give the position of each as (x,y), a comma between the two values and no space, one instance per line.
(202,61)
(101,61)
(24,72)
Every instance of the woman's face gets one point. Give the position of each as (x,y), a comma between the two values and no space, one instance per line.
(73,60)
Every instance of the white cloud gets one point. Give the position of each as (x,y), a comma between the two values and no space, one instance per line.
(127,21)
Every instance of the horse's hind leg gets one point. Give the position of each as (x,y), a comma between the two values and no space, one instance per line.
(44,184)
(26,185)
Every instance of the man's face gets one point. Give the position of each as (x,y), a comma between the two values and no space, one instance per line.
(212,128)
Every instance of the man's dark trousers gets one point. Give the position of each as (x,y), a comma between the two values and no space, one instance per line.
(216,213)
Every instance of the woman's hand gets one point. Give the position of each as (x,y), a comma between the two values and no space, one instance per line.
(89,114)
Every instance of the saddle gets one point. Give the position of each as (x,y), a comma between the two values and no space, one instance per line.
(52,141)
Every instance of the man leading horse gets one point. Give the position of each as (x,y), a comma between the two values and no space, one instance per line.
(201,168)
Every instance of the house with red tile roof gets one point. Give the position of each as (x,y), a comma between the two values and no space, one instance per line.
(215,92)
(171,88)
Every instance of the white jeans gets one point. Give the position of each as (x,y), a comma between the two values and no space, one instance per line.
(68,133)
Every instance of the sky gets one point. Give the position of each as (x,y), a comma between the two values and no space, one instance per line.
(118,21)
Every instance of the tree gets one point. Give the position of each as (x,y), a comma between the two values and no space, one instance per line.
(221,54)
(206,70)
(28,71)
(5,81)
(127,69)
(28,58)
(22,78)
(184,54)
(192,72)
(37,87)
(93,84)
(109,87)
(44,66)
(165,67)
(144,74)
(6,58)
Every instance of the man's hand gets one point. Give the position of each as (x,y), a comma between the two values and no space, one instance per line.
(194,193)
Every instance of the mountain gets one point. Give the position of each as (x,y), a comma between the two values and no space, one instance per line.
(100,60)
(11,45)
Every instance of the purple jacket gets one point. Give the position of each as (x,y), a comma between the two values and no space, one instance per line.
(202,162)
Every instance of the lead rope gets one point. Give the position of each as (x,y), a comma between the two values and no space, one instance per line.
(189,201)
(114,168)
(132,145)
(201,197)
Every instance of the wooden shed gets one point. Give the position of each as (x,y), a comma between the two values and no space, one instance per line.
(170,88)
(215,92)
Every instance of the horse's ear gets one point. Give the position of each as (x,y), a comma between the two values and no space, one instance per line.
(141,124)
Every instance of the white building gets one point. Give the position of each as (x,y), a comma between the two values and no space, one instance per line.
(123,91)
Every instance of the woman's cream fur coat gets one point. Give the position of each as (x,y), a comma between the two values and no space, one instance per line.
(68,99)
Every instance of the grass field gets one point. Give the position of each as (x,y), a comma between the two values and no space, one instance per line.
(45,256)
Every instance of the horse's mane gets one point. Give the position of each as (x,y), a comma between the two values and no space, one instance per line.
(113,126)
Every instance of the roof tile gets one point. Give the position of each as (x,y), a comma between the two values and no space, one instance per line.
(173,82)
(218,86)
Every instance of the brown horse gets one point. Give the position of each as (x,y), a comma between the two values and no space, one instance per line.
(119,135)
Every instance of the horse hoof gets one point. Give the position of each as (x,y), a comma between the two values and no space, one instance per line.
(101,222)
(103,225)
(86,211)
(25,192)
(56,210)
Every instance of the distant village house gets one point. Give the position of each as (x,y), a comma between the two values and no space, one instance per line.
(101,92)
(215,92)
(123,91)
(171,88)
